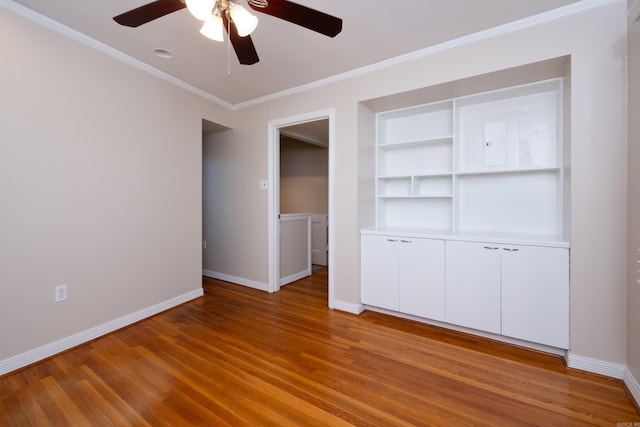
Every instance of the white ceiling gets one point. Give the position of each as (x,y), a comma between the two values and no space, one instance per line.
(290,56)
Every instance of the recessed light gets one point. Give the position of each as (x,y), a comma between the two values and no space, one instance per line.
(163,53)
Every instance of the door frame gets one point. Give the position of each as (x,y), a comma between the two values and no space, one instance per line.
(274,193)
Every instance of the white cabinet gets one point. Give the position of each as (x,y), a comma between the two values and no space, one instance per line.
(404,274)
(473,285)
(515,290)
(422,285)
(519,291)
(379,271)
(535,294)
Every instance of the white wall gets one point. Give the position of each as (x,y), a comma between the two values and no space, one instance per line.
(598,222)
(235,223)
(100,187)
(633,296)
(304,180)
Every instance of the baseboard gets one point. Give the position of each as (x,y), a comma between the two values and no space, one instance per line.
(347,306)
(596,366)
(237,280)
(297,276)
(633,386)
(48,350)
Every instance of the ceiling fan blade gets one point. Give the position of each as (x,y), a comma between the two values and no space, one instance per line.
(245,50)
(149,12)
(301,15)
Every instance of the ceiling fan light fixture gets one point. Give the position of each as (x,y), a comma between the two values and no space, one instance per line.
(200,9)
(213,28)
(238,23)
(244,21)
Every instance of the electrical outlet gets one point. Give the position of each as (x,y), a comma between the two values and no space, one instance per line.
(61,293)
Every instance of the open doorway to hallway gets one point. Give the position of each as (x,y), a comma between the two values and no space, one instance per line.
(304,187)
(304,129)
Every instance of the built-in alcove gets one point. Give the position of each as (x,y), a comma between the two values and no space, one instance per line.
(433,163)
(464,203)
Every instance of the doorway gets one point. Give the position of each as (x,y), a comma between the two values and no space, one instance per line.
(304,184)
(295,127)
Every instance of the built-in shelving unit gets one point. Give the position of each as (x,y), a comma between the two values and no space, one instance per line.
(415,166)
(489,162)
(470,200)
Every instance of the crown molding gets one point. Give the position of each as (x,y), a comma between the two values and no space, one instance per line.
(108,50)
(530,21)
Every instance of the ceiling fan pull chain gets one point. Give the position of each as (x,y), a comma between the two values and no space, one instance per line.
(228,46)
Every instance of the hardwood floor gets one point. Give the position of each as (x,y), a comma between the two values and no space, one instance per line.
(239,356)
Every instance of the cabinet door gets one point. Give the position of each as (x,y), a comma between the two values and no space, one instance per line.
(535,294)
(421,273)
(379,271)
(473,285)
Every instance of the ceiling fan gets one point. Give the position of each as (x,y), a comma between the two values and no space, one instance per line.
(235,19)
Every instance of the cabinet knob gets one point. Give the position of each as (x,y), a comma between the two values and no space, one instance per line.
(511,249)
(391,240)
(405,241)
(491,248)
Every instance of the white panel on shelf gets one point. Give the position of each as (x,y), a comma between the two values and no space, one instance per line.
(471,138)
(432,213)
(415,124)
(495,144)
(530,135)
(415,160)
(509,203)
(433,185)
(538,134)
(394,187)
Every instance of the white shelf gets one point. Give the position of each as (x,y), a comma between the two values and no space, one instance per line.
(408,144)
(433,175)
(486,163)
(506,171)
(436,185)
(422,175)
(417,176)
(433,196)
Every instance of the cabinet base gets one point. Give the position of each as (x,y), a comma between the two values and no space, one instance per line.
(496,337)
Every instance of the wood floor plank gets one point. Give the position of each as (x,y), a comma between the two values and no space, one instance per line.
(29,413)
(239,356)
